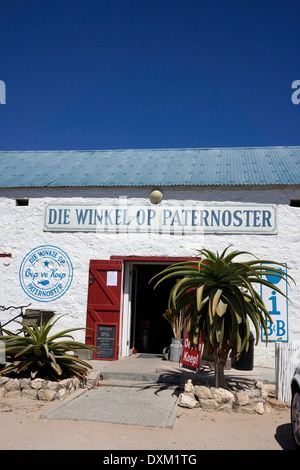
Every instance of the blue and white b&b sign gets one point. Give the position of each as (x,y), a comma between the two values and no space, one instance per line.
(277,306)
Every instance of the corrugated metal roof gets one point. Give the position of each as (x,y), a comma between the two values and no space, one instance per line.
(151,167)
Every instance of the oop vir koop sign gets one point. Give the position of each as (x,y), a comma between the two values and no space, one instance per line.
(191,356)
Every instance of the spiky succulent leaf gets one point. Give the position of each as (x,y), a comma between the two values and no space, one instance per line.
(41,355)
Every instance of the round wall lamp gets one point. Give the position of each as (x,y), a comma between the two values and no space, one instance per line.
(156,196)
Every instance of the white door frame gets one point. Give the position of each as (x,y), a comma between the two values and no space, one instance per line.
(126,310)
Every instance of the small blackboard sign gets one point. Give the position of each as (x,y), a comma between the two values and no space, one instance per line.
(105,341)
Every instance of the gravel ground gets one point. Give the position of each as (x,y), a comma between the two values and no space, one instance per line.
(22,429)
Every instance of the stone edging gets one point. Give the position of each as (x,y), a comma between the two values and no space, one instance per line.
(38,389)
(252,400)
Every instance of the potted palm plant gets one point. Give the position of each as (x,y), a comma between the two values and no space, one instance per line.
(218,297)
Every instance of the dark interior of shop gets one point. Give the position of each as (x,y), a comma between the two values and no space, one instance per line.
(151,332)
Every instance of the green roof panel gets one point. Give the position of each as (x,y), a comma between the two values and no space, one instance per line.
(151,167)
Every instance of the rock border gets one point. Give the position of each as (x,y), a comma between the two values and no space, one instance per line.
(253,399)
(38,389)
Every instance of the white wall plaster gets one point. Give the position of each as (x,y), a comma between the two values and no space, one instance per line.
(22,231)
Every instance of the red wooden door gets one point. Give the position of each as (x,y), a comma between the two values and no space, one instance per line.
(104,299)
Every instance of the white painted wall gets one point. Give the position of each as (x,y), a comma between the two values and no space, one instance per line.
(22,231)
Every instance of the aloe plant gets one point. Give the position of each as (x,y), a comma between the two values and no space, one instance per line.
(219,298)
(39,355)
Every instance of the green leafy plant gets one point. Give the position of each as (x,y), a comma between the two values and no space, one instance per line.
(218,297)
(35,354)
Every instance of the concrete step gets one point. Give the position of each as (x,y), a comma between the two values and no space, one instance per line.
(132,378)
(136,384)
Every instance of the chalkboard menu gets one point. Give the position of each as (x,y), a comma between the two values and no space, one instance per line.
(105,341)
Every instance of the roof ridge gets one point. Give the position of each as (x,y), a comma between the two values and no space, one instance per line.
(162,149)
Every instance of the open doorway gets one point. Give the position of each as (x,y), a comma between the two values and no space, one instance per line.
(150,332)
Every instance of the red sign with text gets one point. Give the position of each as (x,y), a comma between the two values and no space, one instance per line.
(191,357)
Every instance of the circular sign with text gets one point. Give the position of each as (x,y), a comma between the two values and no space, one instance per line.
(46,273)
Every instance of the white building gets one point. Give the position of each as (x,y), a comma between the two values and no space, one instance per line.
(81,236)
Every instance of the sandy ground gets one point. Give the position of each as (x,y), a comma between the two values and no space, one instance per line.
(22,429)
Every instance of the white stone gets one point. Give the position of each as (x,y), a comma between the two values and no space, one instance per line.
(254,393)
(30,393)
(62,393)
(245,409)
(13,393)
(259,408)
(207,404)
(12,385)
(3,380)
(65,383)
(38,383)
(242,398)
(25,384)
(188,400)
(189,387)
(52,385)
(46,395)
(203,392)
(259,385)
(221,396)
(227,407)
(76,383)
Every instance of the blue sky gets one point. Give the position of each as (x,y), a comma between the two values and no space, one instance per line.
(87,74)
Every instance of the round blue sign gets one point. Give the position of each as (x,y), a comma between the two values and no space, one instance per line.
(274,279)
(46,273)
